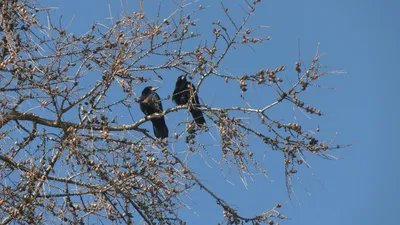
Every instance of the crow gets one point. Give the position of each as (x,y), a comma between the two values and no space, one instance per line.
(181,96)
(150,103)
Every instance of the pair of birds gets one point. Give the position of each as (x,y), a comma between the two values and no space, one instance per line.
(150,103)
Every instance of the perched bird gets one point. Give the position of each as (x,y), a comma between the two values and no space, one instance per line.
(181,96)
(150,103)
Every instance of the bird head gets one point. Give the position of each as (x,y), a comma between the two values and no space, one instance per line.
(181,81)
(147,91)
(183,77)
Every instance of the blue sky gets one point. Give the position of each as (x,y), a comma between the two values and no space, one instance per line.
(360,37)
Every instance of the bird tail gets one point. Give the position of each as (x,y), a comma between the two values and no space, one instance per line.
(160,128)
(198,116)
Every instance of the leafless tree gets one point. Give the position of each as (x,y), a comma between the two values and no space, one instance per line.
(67,155)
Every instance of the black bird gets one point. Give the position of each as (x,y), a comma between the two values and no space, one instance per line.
(150,103)
(181,96)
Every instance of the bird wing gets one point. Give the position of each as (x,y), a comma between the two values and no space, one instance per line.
(157,103)
(196,97)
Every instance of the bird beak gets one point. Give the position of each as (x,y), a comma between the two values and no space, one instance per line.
(154,88)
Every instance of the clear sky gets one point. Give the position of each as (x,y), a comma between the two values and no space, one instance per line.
(360,37)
